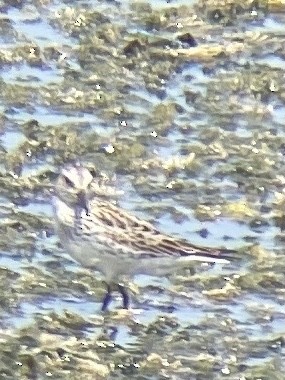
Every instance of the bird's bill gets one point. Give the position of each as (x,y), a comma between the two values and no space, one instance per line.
(83,201)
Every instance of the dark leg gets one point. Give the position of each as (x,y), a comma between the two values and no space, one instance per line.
(126,298)
(107,299)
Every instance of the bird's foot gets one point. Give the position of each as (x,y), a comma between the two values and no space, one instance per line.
(125,295)
(108,297)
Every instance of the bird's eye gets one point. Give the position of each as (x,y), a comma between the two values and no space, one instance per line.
(68,181)
(93,172)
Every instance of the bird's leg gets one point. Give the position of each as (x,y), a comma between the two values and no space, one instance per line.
(124,293)
(107,299)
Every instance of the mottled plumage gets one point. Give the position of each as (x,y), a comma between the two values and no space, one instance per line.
(102,236)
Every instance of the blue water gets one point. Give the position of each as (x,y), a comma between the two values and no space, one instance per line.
(192,308)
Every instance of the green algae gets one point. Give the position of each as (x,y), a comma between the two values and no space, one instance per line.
(195,131)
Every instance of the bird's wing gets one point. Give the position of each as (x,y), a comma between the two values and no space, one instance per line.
(142,239)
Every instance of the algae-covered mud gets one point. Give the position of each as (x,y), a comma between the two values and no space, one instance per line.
(181,105)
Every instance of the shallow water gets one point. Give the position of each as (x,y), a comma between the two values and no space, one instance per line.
(195,136)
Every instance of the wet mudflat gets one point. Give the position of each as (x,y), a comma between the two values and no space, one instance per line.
(181,104)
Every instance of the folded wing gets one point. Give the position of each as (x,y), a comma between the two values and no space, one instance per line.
(143,240)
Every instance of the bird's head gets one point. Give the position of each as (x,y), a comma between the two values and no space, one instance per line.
(73,186)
